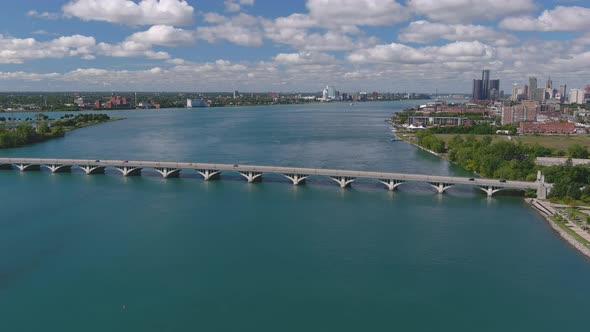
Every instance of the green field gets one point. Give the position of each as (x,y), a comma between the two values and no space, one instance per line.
(559,142)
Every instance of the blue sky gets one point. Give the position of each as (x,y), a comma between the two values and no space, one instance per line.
(269,45)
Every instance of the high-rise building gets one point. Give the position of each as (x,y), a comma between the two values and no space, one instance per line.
(331,92)
(493,89)
(576,96)
(485,79)
(549,84)
(532,91)
(477,90)
(515,89)
(563,92)
(236,94)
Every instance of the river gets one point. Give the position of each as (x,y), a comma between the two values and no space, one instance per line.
(108,253)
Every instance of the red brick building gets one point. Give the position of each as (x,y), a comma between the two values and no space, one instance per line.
(548,128)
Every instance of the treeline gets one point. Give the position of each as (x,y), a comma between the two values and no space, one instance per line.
(513,161)
(70,120)
(28,134)
(25,134)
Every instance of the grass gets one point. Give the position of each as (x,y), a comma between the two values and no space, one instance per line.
(559,222)
(558,142)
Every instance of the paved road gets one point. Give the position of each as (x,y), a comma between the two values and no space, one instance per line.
(279,170)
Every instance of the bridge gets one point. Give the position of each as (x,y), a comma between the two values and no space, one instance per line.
(254,173)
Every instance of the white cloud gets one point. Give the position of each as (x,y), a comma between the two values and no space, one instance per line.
(583,40)
(236,5)
(129,49)
(357,12)
(428,32)
(46,15)
(242,29)
(399,53)
(16,50)
(560,18)
(461,11)
(214,18)
(304,58)
(145,12)
(163,35)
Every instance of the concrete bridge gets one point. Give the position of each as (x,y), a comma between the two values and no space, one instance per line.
(253,173)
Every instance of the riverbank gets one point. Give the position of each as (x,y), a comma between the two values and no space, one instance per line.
(568,230)
(572,236)
(26,134)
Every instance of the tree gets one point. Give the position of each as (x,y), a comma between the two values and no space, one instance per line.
(577,151)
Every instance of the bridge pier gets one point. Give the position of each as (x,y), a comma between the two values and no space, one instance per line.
(343,181)
(209,174)
(28,167)
(58,168)
(129,170)
(93,169)
(296,179)
(168,172)
(490,190)
(252,176)
(441,187)
(391,184)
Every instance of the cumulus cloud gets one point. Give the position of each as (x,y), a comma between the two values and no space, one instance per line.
(145,12)
(428,32)
(242,29)
(164,35)
(560,18)
(17,50)
(399,53)
(357,12)
(459,11)
(236,5)
(304,58)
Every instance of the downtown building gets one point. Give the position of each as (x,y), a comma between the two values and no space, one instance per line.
(526,112)
(486,89)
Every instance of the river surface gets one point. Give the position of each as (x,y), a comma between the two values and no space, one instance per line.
(108,253)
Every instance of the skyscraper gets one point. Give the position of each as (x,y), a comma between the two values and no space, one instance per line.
(477,90)
(549,84)
(485,79)
(563,92)
(514,92)
(532,88)
(493,89)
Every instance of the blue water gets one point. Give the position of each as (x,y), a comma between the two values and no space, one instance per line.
(107,253)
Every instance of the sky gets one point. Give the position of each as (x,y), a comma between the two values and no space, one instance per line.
(290,45)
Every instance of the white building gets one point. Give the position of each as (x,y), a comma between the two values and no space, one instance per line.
(576,96)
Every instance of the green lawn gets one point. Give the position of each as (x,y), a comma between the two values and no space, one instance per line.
(559,142)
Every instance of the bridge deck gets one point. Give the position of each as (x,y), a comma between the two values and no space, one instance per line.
(451,180)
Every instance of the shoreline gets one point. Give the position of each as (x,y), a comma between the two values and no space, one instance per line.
(537,205)
(547,212)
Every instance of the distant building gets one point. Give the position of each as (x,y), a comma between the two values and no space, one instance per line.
(576,96)
(562,92)
(436,120)
(486,89)
(236,94)
(195,103)
(548,128)
(532,88)
(515,89)
(477,90)
(80,102)
(520,113)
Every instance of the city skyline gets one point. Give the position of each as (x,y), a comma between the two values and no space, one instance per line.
(260,45)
